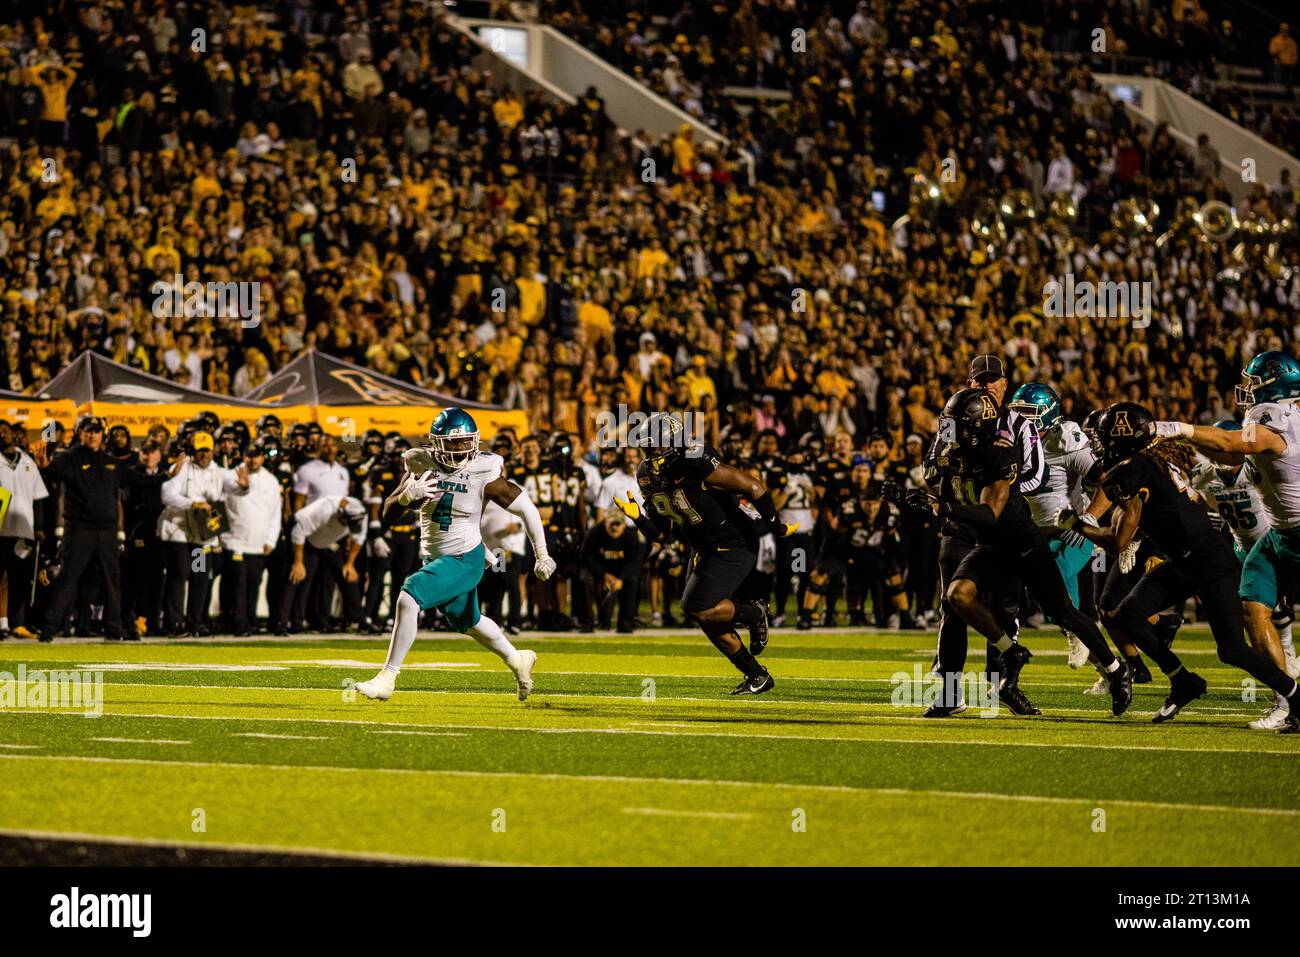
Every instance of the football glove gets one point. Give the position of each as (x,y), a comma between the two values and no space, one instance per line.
(1128,558)
(894,493)
(1066,519)
(628,507)
(785,529)
(1177,430)
(919,499)
(544,567)
(418,489)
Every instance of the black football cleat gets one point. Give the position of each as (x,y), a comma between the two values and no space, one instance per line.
(805,623)
(1017,701)
(1120,682)
(1291,725)
(758,630)
(1141,673)
(755,685)
(1184,688)
(1013,659)
(937,710)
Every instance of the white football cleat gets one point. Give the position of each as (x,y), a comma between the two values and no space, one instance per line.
(1274,718)
(522,666)
(1078,651)
(378,688)
(1101,687)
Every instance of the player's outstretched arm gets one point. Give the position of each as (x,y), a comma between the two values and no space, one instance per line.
(1248,440)
(510,497)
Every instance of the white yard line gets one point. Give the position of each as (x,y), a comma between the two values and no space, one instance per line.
(1091,801)
(430,734)
(139,741)
(670,812)
(713,732)
(280,737)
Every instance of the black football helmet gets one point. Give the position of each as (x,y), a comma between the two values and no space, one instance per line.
(1125,429)
(968,421)
(660,438)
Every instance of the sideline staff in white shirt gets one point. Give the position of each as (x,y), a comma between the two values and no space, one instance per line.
(318,531)
(24,488)
(253,508)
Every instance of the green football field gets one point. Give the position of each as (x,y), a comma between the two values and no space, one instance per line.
(631,752)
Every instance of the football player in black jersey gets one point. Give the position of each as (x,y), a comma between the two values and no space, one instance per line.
(979,491)
(691,495)
(1200,562)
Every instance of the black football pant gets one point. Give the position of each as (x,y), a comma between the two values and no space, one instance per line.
(86,550)
(142,583)
(190,565)
(794,555)
(1034,567)
(19,572)
(1209,572)
(323,565)
(1004,600)
(403,560)
(244,573)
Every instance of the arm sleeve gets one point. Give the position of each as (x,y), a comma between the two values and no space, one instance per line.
(1031,450)
(523,507)
(304,524)
(272,531)
(171,492)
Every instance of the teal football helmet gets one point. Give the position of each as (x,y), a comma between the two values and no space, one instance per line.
(453,439)
(1038,402)
(1269,377)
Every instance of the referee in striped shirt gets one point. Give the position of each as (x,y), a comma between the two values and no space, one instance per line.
(987,372)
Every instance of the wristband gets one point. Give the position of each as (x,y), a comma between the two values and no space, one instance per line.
(1089,520)
(58,532)
(121,535)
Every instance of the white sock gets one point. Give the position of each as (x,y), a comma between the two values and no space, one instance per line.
(1003,643)
(489,634)
(4,624)
(405,625)
(1288,647)
(1113,666)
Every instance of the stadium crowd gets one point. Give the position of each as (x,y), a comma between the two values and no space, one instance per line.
(403,210)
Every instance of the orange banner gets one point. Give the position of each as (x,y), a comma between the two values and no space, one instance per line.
(346,421)
(349,421)
(138,416)
(35,414)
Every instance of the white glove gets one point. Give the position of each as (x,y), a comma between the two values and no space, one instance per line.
(1176,430)
(544,567)
(379,548)
(418,489)
(419,460)
(1128,558)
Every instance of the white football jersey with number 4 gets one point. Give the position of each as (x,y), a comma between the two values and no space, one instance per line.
(451,516)
(1279,475)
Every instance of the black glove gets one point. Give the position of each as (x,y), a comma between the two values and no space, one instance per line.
(894,493)
(919,499)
